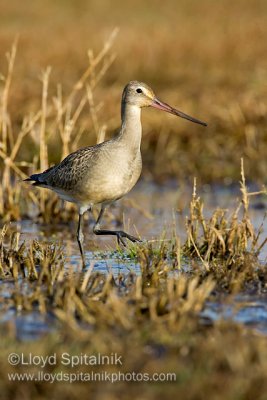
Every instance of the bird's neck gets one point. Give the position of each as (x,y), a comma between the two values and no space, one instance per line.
(131,128)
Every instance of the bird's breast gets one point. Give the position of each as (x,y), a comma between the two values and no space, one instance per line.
(113,179)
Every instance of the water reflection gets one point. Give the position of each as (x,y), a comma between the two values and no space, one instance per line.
(150,209)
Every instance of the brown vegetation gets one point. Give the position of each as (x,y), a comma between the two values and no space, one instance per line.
(210,60)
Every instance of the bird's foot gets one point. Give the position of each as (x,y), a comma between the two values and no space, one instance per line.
(121,235)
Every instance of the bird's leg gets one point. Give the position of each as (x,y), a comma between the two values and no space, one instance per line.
(120,234)
(80,238)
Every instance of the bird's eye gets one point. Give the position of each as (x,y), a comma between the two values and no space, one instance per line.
(139,90)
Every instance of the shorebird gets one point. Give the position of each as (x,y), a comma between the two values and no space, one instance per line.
(104,173)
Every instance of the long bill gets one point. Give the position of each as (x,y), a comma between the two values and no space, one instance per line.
(165,107)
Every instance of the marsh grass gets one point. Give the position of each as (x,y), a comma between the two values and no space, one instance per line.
(57,114)
(220,236)
(213,68)
(227,246)
(151,319)
(210,78)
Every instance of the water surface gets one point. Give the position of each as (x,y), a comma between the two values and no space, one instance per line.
(148,211)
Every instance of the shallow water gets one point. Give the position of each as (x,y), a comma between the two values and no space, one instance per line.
(148,211)
(246,309)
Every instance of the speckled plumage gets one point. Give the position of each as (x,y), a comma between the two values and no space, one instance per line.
(80,179)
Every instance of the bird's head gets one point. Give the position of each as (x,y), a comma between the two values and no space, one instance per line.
(138,94)
(141,95)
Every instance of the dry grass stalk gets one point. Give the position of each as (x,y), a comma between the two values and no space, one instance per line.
(219,237)
(56,113)
(4,117)
(96,298)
